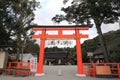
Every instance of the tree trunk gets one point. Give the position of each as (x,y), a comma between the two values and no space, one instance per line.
(18,54)
(18,49)
(102,42)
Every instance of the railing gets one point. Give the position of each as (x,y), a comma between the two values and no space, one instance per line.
(19,65)
(90,68)
(18,68)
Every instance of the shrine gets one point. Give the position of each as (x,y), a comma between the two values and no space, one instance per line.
(77,36)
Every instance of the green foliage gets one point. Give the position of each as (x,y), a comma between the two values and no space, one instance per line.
(115,53)
(112,39)
(114,57)
(31,47)
(15,18)
(114,45)
(89,46)
(72,55)
(84,11)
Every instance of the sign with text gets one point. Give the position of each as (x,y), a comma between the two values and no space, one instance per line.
(103,70)
(60,43)
(33,64)
(3,59)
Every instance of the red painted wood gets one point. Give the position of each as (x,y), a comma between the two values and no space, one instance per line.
(41,54)
(79,54)
(76,36)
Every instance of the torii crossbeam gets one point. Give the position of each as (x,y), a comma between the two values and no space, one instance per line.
(77,36)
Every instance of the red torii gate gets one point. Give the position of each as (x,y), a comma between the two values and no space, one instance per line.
(77,36)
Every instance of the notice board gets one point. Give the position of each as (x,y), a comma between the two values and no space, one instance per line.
(3,59)
(103,70)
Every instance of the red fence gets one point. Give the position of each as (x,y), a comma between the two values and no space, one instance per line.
(90,68)
(18,68)
(19,65)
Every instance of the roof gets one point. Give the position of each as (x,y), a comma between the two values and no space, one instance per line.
(60,26)
(54,55)
(4,46)
(98,51)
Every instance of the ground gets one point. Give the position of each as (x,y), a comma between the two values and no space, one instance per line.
(52,73)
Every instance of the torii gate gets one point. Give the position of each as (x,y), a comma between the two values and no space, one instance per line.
(77,36)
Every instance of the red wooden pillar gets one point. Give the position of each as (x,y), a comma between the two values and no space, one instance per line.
(79,55)
(41,55)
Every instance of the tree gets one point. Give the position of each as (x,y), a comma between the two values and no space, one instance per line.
(15,18)
(100,11)
(113,45)
(4,37)
(89,46)
(31,47)
(114,55)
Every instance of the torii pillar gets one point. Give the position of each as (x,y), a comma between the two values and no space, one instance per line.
(41,55)
(77,36)
(79,55)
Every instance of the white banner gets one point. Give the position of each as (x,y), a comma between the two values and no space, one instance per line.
(33,64)
(59,43)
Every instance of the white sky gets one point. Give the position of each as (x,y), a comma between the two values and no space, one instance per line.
(49,8)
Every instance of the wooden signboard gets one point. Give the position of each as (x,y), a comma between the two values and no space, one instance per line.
(103,71)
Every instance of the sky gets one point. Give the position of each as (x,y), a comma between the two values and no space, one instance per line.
(49,8)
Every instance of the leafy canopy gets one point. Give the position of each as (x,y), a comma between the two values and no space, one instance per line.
(15,18)
(82,12)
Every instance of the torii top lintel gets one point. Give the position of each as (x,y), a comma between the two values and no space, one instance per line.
(66,27)
(44,28)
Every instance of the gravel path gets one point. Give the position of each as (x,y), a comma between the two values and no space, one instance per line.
(55,73)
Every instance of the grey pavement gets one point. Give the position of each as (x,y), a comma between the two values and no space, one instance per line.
(55,73)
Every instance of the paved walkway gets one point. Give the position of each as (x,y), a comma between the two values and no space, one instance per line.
(51,73)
